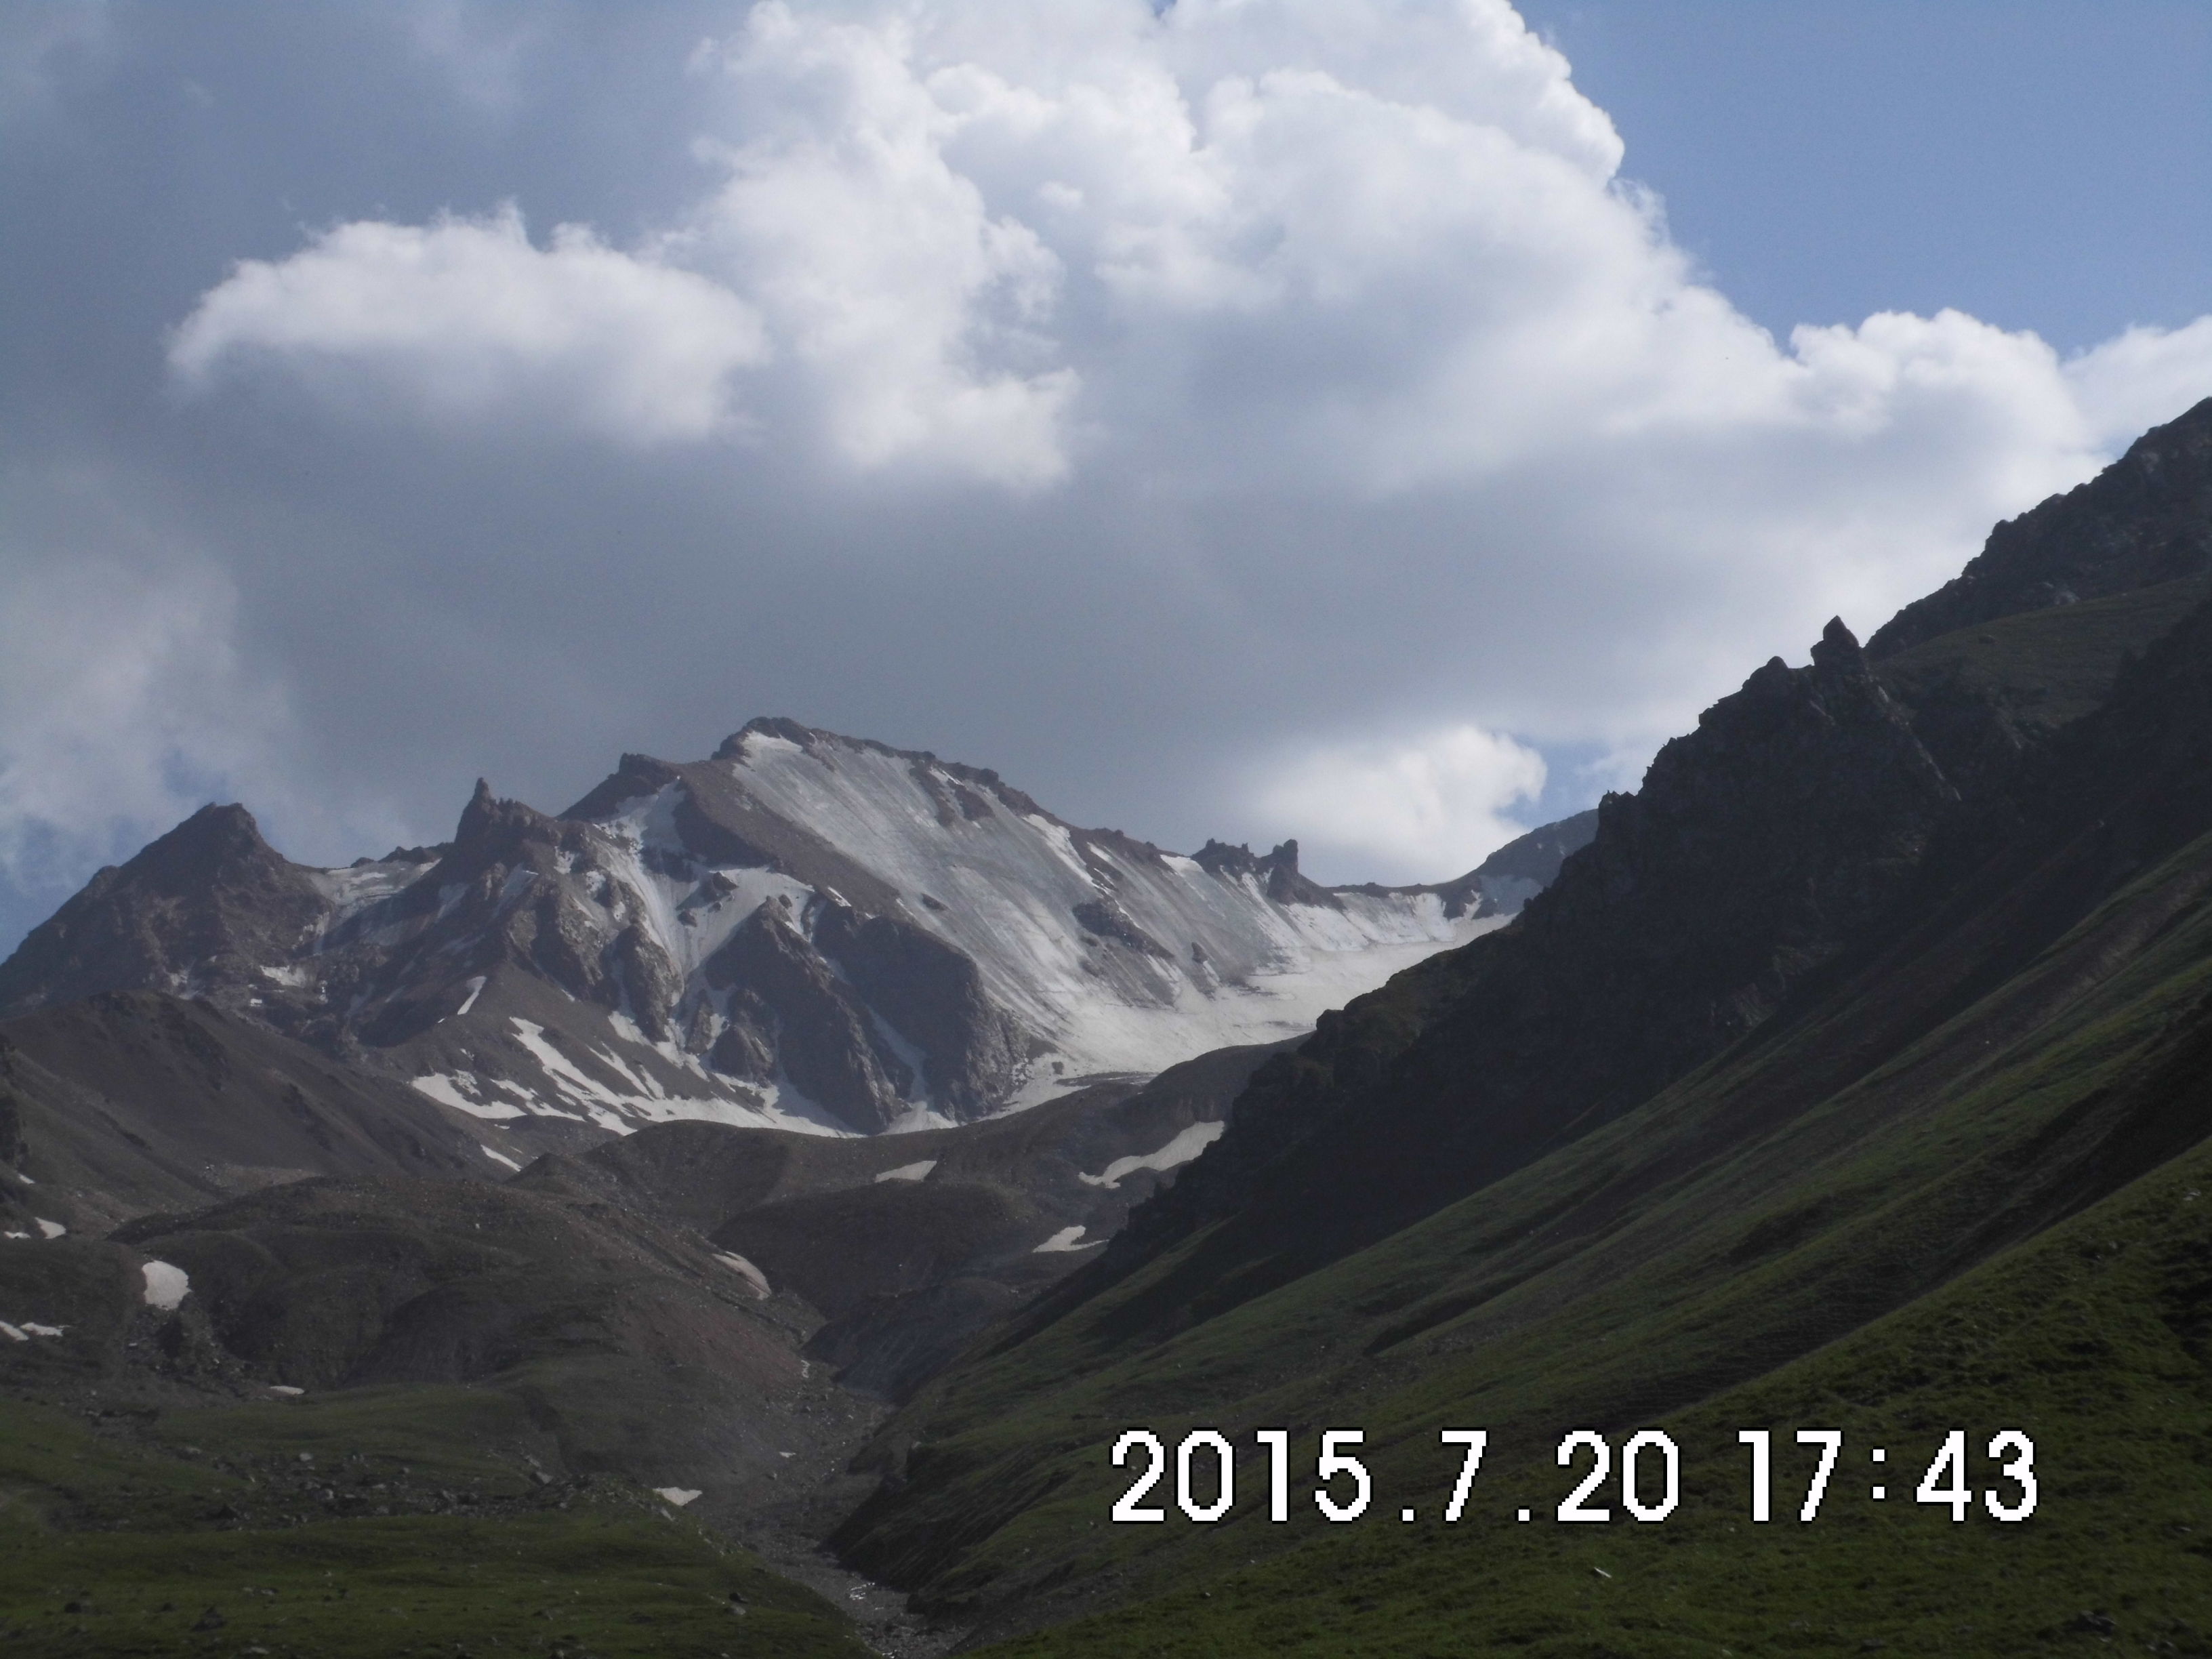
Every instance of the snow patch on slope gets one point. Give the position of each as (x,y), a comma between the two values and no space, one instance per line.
(1065,1240)
(583,1098)
(458,1090)
(745,1270)
(1235,968)
(167,1285)
(353,889)
(688,927)
(1186,1145)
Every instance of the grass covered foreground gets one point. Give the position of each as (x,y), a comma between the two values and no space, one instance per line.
(226,1531)
(2092,1338)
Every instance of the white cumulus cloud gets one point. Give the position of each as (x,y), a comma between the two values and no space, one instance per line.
(466,319)
(1436,802)
(1309,363)
(121,700)
(1378,247)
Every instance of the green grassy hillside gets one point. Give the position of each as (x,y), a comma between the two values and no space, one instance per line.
(2092,1340)
(1738,1223)
(382,1523)
(2045,668)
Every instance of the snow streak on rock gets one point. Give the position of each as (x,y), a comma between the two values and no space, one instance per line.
(1186,1145)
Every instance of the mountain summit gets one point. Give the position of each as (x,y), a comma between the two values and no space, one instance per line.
(804,930)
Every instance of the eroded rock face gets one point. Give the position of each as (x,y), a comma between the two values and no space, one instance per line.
(822,1029)
(1764,841)
(975,1054)
(196,911)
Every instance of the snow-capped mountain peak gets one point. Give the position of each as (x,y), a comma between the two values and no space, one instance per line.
(804,929)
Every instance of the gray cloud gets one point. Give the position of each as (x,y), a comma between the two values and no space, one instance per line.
(1207,421)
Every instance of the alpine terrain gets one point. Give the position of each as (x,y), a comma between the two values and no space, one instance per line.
(555,1160)
(1767,1214)
(806,930)
(1853,1079)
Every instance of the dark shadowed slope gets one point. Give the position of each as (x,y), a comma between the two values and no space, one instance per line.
(1810,1029)
(132,1101)
(909,1245)
(2143,521)
(1809,819)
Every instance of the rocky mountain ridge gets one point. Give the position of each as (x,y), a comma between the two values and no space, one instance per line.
(803,930)
(1808,820)
(2143,521)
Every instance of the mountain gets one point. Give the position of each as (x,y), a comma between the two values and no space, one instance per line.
(541,1160)
(1853,1075)
(1850,1072)
(1810,817)
(804,931)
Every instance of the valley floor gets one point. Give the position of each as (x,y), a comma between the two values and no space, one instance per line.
(389,1523)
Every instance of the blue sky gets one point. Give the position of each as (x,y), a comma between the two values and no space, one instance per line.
(1281,419)
(2042,164)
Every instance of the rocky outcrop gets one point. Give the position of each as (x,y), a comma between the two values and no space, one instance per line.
(974,1054)
(822,1029)
(2143,521)
(1761,847)
(1276,871)
(204,907)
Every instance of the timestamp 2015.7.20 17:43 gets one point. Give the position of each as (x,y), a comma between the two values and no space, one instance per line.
(1645,1476)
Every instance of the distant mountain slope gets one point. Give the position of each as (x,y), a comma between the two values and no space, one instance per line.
(632,1348)
(806,930)
(911,1244)
(1512,875)
(128,1102)
(1826,1015)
